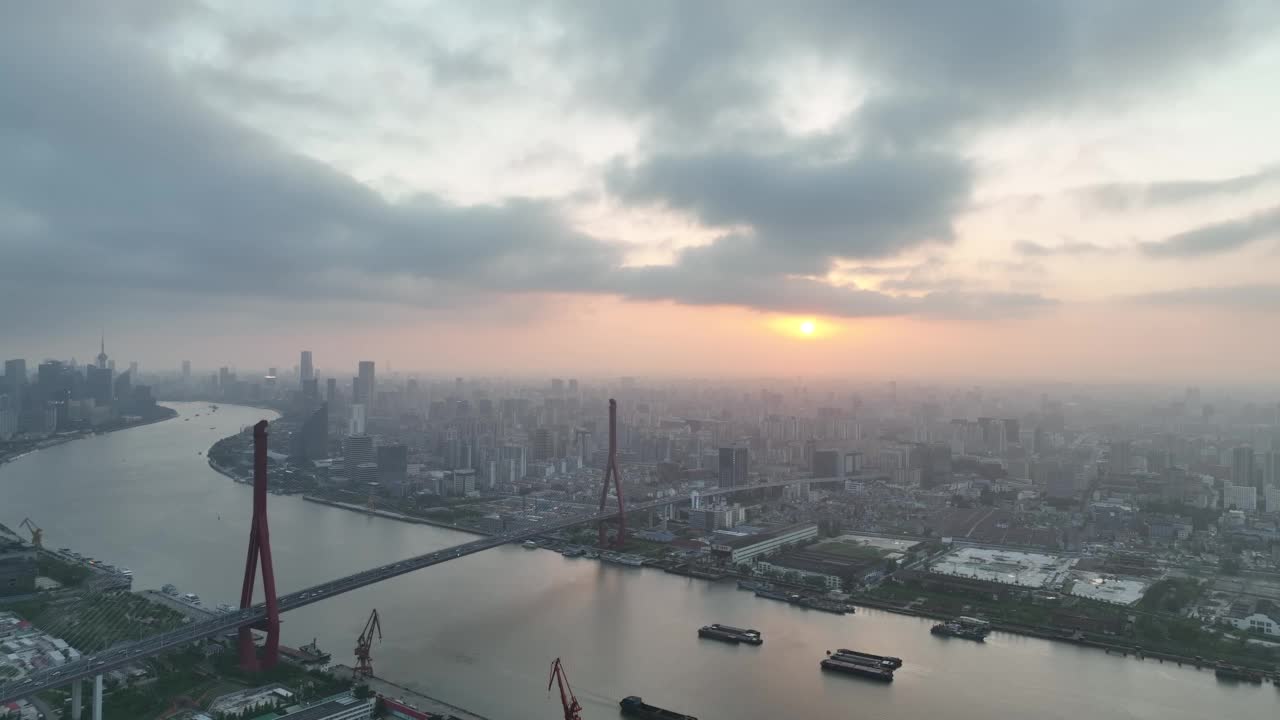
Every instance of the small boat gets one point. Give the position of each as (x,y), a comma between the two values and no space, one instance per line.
(529,545)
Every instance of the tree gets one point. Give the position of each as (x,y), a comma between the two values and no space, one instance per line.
(361,691)
(1229,565)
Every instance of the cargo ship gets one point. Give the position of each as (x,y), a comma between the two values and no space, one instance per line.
(633,706)
(850,665)
(887,661)
(964,627)
(730,634)
(813,603)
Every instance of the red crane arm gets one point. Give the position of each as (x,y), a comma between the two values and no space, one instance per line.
(568,700)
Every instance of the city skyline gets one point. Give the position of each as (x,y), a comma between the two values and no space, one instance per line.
(1076,190)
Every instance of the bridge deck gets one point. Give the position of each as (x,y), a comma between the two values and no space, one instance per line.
(107,660)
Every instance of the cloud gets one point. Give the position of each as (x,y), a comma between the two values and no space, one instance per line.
(1034,249)
(1218,237)
(697,65)
(120,186)
(806,212)
(1261,298)
(1119,196)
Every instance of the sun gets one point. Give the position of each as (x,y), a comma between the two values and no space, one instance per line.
(806,327)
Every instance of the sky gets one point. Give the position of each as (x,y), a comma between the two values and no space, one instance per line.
(1081,190)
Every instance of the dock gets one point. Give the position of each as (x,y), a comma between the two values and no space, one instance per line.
(194,612)
(405,696)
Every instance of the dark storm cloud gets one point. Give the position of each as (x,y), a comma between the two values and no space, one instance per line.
(1218,237)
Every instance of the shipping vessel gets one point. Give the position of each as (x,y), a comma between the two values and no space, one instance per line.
(963,627)
(730,634)
(850,665)
(888,661)
(813,603)
(633,706)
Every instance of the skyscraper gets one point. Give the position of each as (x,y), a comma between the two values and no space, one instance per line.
(1242,466)
(359,458)
(186,371)
(543,444)
(312,440)
(1271,469)
(734,463)
(330,390)
(15,384)
(307,371)
(366,386)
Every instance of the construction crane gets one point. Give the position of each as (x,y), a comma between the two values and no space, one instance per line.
(37,534)
(364,661)
(572,710)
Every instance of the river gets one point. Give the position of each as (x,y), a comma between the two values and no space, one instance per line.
(480,632)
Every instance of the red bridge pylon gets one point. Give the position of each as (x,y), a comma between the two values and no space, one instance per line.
(611,470)
(260,546)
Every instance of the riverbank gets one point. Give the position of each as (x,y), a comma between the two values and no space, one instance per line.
(400,694)
(389,515)
(165,413)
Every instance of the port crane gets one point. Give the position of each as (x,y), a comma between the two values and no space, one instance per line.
(37,534)
(572,710)
(364,661)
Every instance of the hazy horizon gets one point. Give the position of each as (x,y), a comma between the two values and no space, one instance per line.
(993,190)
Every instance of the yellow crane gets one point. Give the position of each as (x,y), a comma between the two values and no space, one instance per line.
(37,534)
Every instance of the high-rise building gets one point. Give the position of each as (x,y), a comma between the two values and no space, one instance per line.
(331,390)
(1242,466)
(1240,497)
(557,386)
(186,371)
(1011,431)
(311,390)
(393,466)
(8,417)
(312,440)
(360,459)
(826,463)
(15,384)
(935,464)
(366,385)
(306,371)
(1119,457)
(1271,469)
(734,464)
(543,444)
(359,419)
(99,384)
